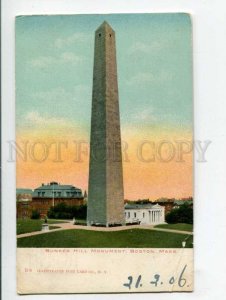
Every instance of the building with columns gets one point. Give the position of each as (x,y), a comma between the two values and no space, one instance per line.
(148,214)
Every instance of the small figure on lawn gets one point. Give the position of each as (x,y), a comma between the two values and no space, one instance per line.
(74,221)
(45,220)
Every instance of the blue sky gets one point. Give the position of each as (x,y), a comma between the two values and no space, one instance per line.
(54,64)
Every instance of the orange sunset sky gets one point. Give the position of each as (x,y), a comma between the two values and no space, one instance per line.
(166,175)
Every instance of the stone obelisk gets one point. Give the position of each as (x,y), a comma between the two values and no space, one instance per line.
(105,195)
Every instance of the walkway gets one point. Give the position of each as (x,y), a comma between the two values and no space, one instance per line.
(67,226)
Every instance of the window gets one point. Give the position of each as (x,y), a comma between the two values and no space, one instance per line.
(129,214)
(43,194)
(143,215)
(110,35)
(59,194)
(39,194)
(135,215)
(99,34)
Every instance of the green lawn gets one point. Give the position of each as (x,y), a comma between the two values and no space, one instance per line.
(29,225)
(131,238)
(178,226)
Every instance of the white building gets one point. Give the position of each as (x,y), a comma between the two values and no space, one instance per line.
(148,214)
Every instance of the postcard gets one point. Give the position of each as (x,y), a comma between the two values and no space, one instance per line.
(104,131)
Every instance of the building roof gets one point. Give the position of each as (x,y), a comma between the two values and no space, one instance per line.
(156,206)
(142,206)
(164,200)
(23,191)
(54,189)
(181,202)
(56,186)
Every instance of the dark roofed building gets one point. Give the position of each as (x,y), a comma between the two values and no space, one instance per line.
(21,191)
(56,190)
(53,193)
(178,203)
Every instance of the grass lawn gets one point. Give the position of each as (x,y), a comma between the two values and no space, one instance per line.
(131,238)
(29,225)
(178,226)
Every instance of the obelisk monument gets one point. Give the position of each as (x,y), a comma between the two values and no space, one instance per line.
(105,195)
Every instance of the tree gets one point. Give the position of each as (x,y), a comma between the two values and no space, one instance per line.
(35,214)
(183,214)
(64,211)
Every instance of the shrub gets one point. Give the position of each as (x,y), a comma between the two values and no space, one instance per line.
(35,214)
(64,211)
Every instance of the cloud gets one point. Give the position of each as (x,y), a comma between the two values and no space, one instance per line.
(143,116)
(41,61)
(63,58)
(70,40)
(70,57)
(140,78)
(148,77)
(63,102)
(59,94)
(145,48)
(33,118)
(38,124)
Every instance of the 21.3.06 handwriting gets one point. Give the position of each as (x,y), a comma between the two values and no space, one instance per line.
(156,281)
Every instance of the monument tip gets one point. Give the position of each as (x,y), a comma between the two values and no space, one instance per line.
(105,25)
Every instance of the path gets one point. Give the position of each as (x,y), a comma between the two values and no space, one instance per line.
(67,226)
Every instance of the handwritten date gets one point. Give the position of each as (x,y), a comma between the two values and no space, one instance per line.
(156,280)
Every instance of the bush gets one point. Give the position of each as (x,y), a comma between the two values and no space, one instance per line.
(35,214)
(183,214)
(64,211)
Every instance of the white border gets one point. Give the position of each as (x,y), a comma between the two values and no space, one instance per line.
(209,36)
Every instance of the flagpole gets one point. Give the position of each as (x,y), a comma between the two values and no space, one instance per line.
(53,196)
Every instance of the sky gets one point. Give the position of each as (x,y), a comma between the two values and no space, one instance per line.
(54,66)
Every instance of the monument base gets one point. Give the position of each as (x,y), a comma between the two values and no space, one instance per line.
(105,224)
